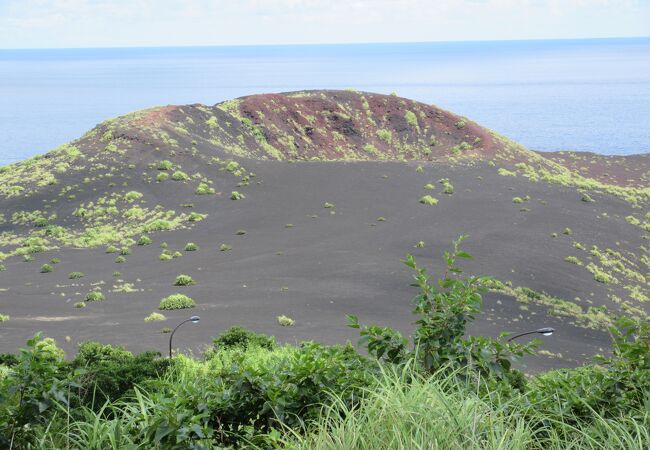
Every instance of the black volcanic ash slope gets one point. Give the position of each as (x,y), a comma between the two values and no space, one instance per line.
(316,239)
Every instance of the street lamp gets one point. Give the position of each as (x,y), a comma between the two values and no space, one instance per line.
(546,331)
(193,319)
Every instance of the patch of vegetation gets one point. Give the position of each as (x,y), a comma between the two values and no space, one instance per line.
(234,195)
(428,200)
(176,301)
(94,296)
(120,259)
(204,189)
(225,248)
(286,321)
(75,275)
(385,135)
(191,247)
(184,280)
(573,260)
(144,240)
(460,124)
(180,176)
(46,268)
(79,304)
(155,317)
(4,318)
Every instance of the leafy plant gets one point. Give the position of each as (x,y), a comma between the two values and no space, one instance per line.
(184,280)
(176,301)
(75,275)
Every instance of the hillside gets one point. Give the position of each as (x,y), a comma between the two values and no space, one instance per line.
(303,204)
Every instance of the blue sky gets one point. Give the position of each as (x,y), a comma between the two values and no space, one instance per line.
(129,23)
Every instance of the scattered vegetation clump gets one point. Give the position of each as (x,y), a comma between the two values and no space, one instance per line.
(165,256)
(184,280)
(573,260)
(191,247)
(180,176)
(234,195)
(420,244)
(132,196)
(419,169)
(79,304)
(429,187)
(120,259)
(94,296)
(144,240)
(428,200)
(162,176)
(75,275)
(411,119)
(385,135)
(586,198)
(568,231)
(46,268)
(204,189)
(4,318)
(447,187)
(165,165)
(225,248)
(506,173)
(55,261)
(286,321)
(196,217)
(328,205)
(155,317)
(176,301)
(240,232)
(517,200)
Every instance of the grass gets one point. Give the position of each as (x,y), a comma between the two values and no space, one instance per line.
(184,280)
(75,275)
(155,317)
(428,200)
(204,189)
(286,321)
(191,247)
(94,296)
(46,268)
(235,195)
(176,301)
(407,411)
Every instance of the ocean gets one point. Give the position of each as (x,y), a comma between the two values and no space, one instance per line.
(589,95)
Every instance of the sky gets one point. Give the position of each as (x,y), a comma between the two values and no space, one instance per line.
(142,23)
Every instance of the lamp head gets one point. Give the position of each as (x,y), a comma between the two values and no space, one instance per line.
(547,331)
(195,319)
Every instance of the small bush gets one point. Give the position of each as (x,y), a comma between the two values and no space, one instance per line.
(55,261)
(165,256)
(224,248)
(117,274)
(125,251)
(460,124)
(568,231)
(162,176)
(176,301)
(155,317)
(419,169)
(239,337)
(196,217)
(429,187)
(420,244)
(46,268)
(586,198)
(573,260)
(111,249)
(234,195)
(132,196)
(428,200)
(385,135)
(120,259)
(240,232)
(180,176)
(191,247)
(204,189)
(286,321)
(165,165)
(28,258)
(80,305)
(4,318)
(144,240)
(94,296)
(517,200)
(75,275)
(328,205)
(177,254)
(184,280)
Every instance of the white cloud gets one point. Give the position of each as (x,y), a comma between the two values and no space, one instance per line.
(88,23)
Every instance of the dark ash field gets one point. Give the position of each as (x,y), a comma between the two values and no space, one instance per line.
(303,204)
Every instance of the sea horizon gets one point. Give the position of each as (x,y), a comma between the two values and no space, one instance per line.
(549,95)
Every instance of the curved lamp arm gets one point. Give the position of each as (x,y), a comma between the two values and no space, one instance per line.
(193,319)
(547,331)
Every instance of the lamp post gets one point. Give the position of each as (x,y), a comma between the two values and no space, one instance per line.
(546,331)
(193,319)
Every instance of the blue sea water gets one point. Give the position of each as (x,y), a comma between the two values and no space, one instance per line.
(549,95)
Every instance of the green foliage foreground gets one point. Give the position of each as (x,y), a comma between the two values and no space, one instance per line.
(443,390)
